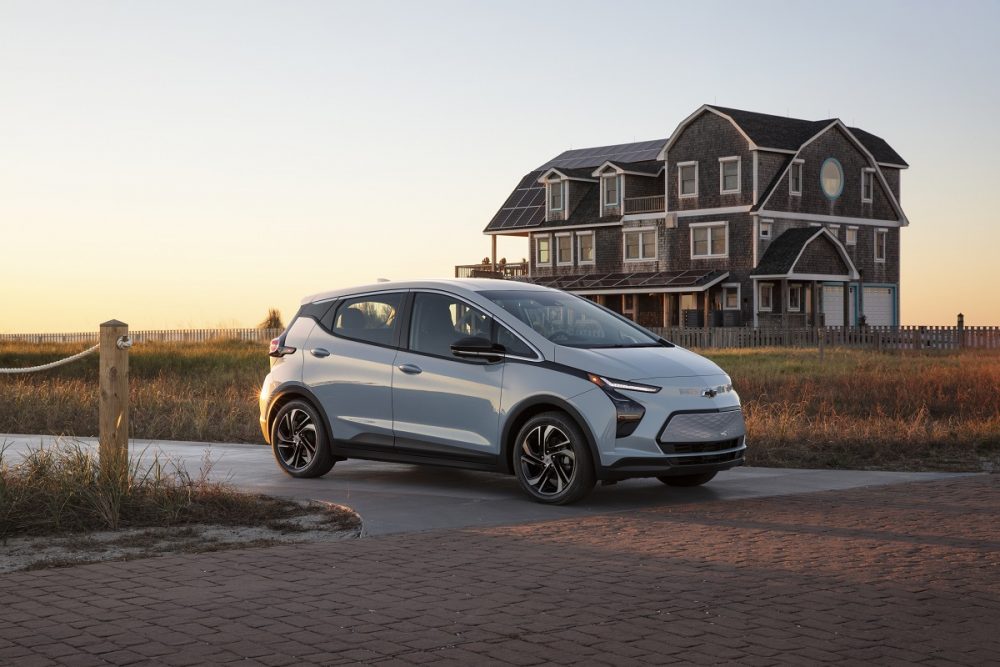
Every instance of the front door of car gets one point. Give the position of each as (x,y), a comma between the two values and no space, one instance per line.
(443,405)
(349,366)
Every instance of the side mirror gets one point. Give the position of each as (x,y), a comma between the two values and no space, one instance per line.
(477,347)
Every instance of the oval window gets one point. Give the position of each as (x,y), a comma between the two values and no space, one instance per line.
(831,178)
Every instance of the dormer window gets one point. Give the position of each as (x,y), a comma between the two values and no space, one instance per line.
(555,195)
(609,189)
(687,179)
(867,185)
(795,178)
(729,175)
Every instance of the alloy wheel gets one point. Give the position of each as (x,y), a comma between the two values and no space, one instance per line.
(296,439)
(548,462)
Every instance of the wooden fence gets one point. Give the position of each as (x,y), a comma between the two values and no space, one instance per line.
(152,335)
(876,338)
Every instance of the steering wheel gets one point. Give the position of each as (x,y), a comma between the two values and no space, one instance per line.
(560,337)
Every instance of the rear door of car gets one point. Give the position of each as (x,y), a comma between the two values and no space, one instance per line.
(349,367)
(444,405)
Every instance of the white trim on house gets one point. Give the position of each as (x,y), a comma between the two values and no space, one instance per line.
(786,151)
(656,215)
(840,248)
(722,174)
(788,296)
(808,217)
(680,181)
(710,255)
(848,233)
(805,277)
(739,294)
(554,228)
(619,170)
(618,191)
(641,257)
(791,168)
(653,290)
(722,210)
(770,297)
(755,167)
(866,173)
(893,166)
(547,176)
(885,250)
(538,251)
(555,246)
(593,249)
(549,208)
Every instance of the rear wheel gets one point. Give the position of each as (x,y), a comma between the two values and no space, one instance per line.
(687,480)
(551,459)
(299,442)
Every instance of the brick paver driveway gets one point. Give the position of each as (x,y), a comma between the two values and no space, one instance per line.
(889,575)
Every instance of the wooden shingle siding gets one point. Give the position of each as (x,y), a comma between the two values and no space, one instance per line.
(704,141)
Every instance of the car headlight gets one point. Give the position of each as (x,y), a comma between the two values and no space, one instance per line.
(628,412)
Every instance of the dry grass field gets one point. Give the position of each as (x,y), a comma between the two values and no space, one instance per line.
(927,411)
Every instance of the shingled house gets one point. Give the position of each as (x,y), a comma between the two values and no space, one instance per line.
(738,219)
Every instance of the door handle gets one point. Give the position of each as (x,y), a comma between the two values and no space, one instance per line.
(319,352)
(410,369)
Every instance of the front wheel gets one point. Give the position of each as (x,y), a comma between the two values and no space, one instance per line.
(687,480)
(551,460)
(299,442)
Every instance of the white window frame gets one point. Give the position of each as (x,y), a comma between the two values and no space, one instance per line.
(680,170)
(538,250)
(760,297)
(548,196)
(555,247)
(835,230)
(796,164)
(618,190)
(739,295)
(851,232)
(641,257)
(710,255)
(769,226)
(867,175)
(593,250)
(788,298)
(739,174)
(884,233)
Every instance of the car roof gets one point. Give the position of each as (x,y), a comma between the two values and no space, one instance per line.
(453,284)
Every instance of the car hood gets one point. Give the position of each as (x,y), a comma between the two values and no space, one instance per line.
(637,363)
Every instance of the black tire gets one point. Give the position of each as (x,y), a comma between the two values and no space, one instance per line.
(552,461)
(688,480)
(299,442)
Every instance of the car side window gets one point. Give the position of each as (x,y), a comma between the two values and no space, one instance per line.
(439,320)
(512,344)
(371,319)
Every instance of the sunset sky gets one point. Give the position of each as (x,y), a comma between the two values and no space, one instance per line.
(190,164)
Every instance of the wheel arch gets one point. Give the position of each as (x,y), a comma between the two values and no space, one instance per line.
(536,405)
(290,391)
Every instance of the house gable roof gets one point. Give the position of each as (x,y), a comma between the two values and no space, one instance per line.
(644,168)
(782,256)
(579,174)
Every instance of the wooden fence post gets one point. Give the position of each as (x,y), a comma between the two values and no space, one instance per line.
(113,412)
(961,330)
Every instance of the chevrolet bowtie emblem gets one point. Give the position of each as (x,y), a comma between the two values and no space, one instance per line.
(709,393)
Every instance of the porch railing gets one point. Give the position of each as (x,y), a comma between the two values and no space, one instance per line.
(509,270)
(653,204)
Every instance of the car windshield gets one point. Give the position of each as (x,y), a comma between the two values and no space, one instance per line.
(569,320)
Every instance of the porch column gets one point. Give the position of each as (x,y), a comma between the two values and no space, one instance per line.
(493,251)
(706,304)
(816,310)
(847,304)
(784,303)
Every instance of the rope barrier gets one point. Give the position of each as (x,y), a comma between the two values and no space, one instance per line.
(45,367)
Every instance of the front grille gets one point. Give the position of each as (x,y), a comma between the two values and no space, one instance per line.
(703,427)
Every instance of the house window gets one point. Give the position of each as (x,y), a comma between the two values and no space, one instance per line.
(831,178)
(710,239)
(867,185)
(731,296)
(765,299)
(795,178)
(881,240)
(835,230)
(555,196)
(729,175)
(609,186)
(585,247)
(564,249)
(640,245)
(851,237)
(687,179)
(794,298)
(765,229)
(543,250)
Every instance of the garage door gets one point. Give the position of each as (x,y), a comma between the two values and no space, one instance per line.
(880,306)
(833,305)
